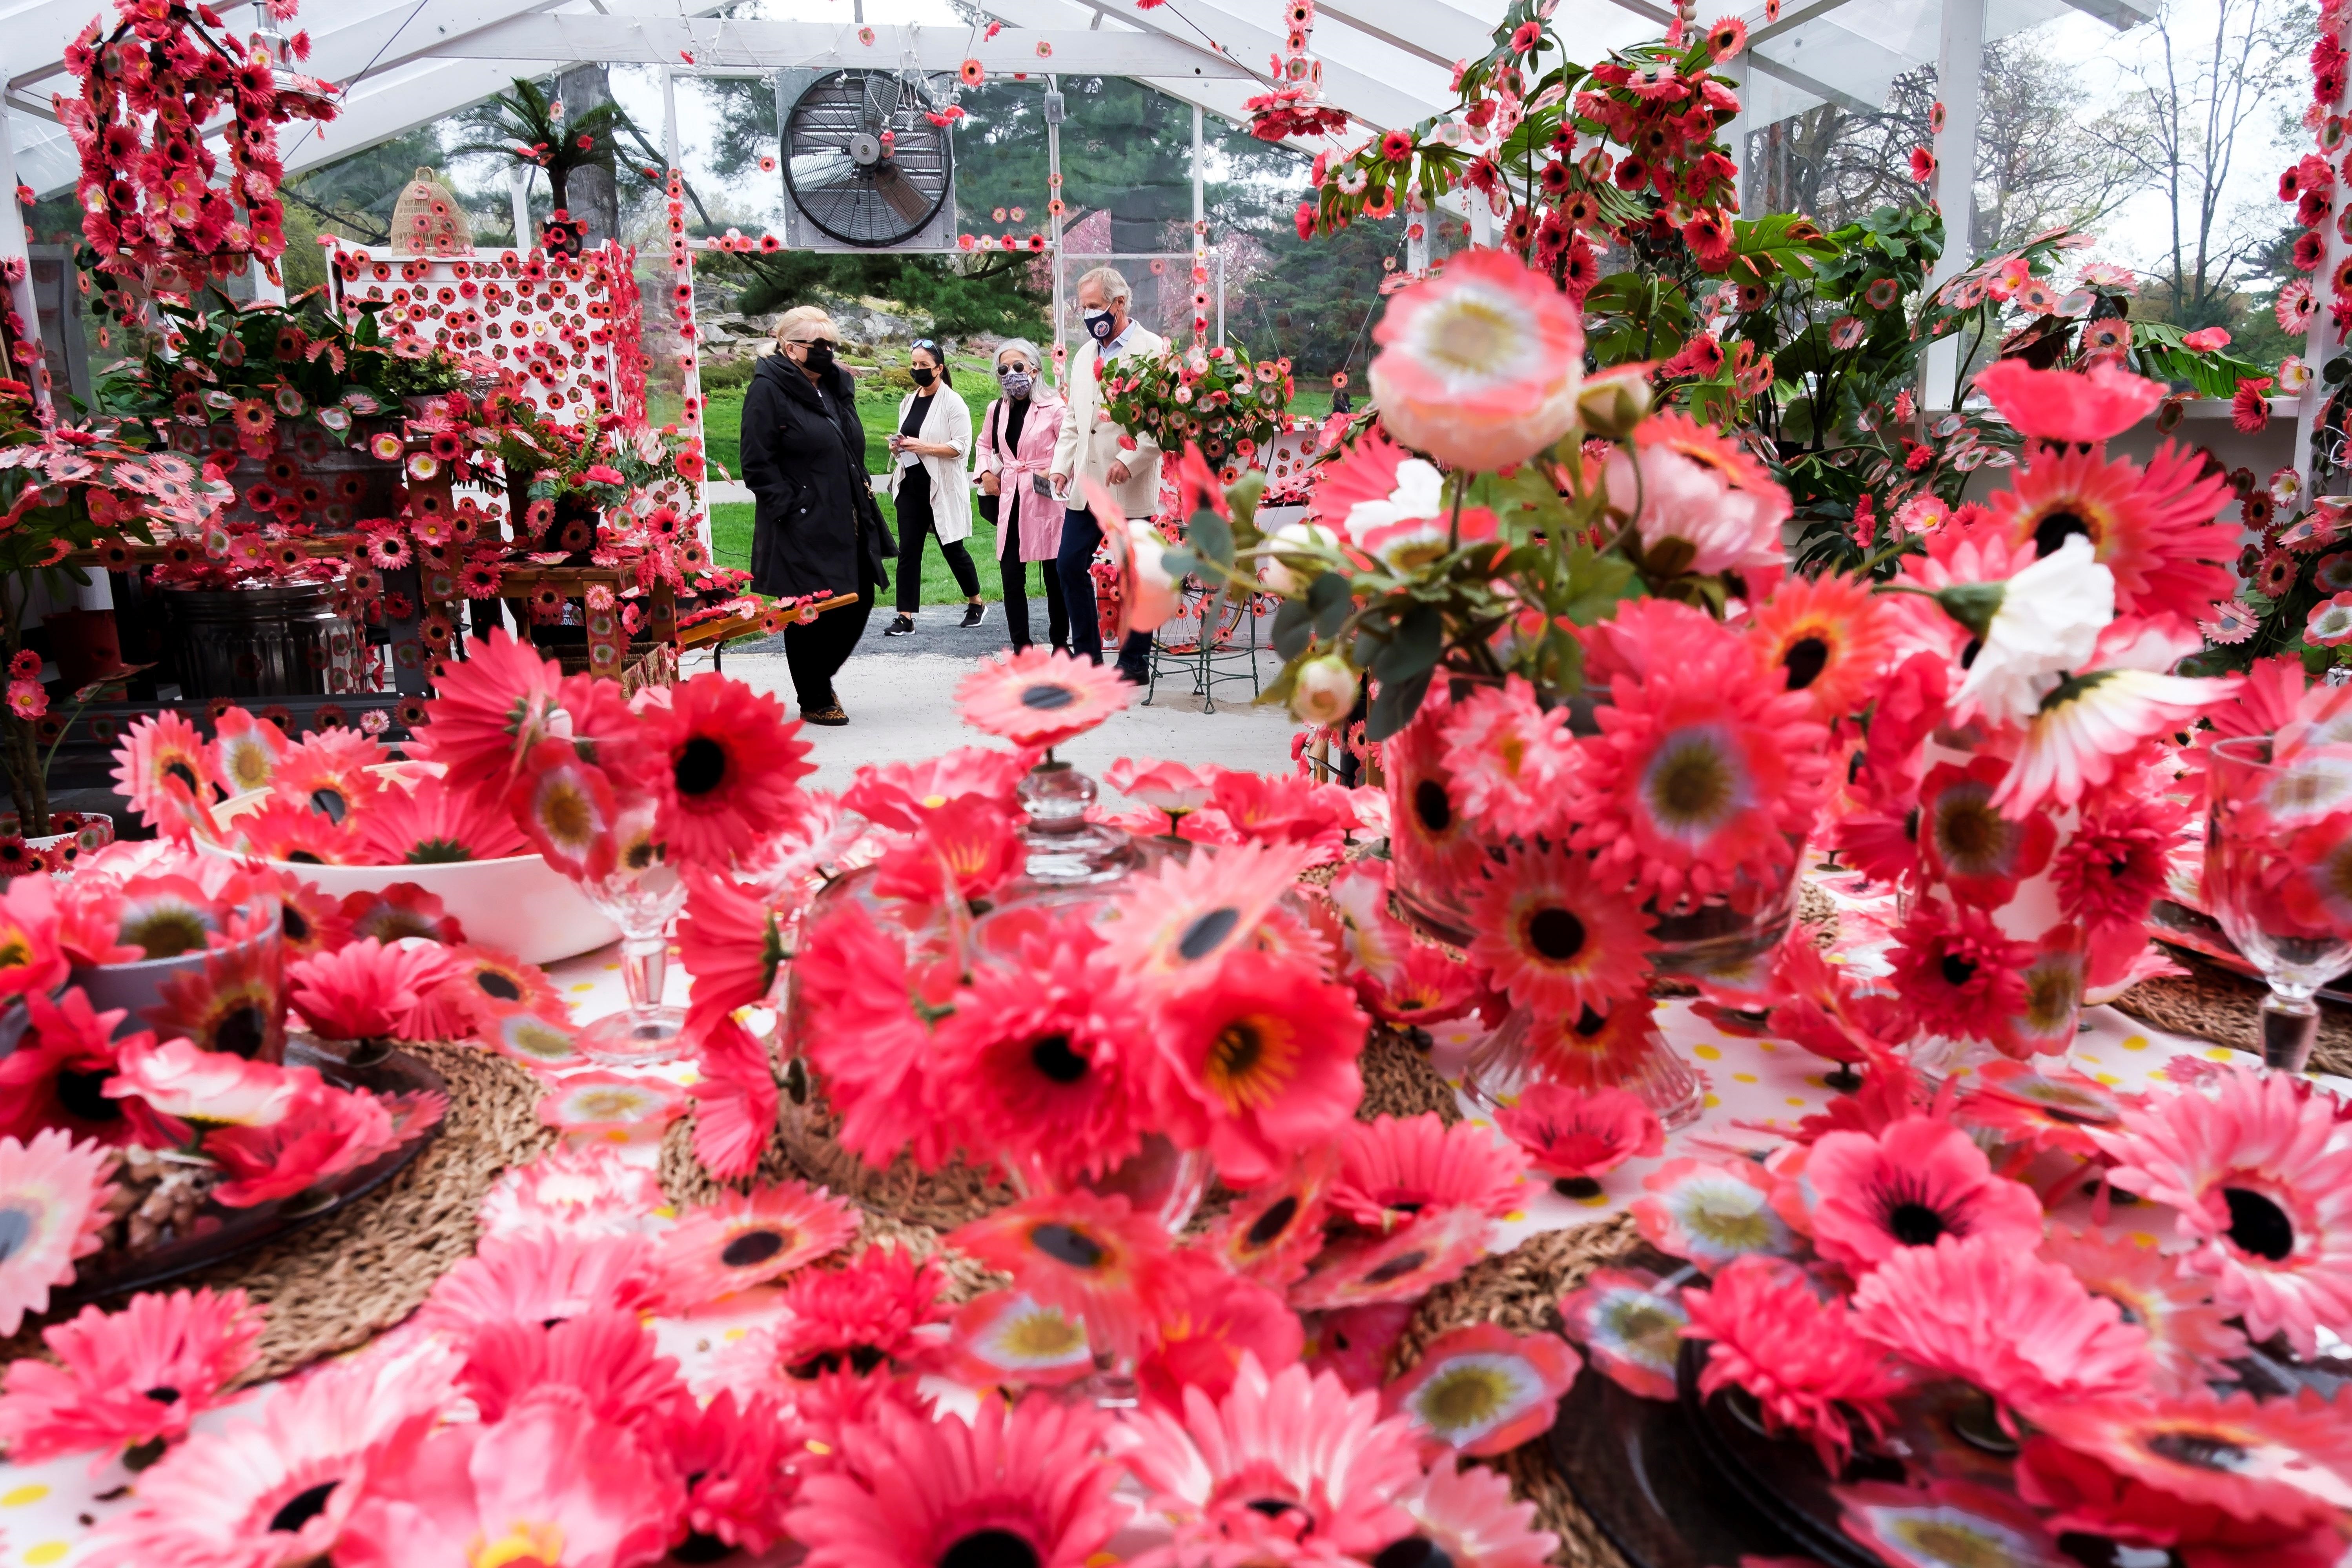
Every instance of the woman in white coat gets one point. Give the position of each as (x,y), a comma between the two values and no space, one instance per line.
(928,485)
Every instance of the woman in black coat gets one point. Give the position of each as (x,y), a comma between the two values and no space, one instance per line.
(815,528)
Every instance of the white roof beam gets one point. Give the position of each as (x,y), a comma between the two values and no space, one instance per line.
(772,46)
(1402,24)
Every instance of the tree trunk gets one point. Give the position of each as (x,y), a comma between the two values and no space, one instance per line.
(593,197)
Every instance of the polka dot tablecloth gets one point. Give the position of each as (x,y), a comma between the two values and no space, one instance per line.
(1752,1086)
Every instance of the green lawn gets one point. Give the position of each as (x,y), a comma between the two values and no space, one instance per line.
(731,541)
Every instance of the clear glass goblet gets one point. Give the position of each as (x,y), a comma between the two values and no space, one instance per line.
(2278,875)
(641,894)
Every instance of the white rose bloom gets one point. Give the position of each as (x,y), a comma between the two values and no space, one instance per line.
(2048,624)
(1325,692)
(1292,536)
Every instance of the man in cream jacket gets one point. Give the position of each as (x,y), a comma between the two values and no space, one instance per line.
(1090,448)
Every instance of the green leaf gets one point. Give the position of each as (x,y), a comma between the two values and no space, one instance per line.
(1332,601)
(1394,706)
(1595,583)
(1413,648)
(1179,562)
(1211,540)
(1294,629)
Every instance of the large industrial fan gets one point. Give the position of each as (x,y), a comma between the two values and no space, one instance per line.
(865,165)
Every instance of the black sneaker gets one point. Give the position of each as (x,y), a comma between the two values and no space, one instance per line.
(900,626)
(974,613)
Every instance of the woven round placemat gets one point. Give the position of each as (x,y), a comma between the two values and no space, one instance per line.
(336,1284)
(1400,1080)
(2209,1003)
(1521,1290)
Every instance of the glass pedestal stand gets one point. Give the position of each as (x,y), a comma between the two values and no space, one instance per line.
(648,1031)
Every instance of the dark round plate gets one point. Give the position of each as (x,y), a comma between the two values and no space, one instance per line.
(234,1231)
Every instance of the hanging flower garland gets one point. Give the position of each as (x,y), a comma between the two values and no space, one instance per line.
(151,206)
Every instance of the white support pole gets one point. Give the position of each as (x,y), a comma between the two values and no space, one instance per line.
(1200,171)
(1735,129)
(1959,72)
(19,262)
(1199,276)
(519,190)
(669,116)
(2320,337)
(1054,207)
(1221,296)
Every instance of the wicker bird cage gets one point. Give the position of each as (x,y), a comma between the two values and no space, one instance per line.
(428,220)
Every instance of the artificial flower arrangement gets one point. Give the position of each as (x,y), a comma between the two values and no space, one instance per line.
(1902,1250)
(154,215)
(132,1138)
(65,488)
(1802,344)
(222,378)
(1216,398)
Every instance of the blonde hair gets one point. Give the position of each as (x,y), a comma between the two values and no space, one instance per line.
(813,317)
(1113,282)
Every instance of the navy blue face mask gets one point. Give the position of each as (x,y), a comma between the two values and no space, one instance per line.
(1101,325)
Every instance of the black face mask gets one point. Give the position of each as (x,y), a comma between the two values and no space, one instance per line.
(820,357)
(923,374)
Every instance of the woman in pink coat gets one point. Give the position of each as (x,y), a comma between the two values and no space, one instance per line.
(1017,450)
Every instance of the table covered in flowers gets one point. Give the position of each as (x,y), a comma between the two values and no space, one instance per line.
(48,1511)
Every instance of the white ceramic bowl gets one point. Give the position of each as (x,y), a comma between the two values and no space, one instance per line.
(519,904)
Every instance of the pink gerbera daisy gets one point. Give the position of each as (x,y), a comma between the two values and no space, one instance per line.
(1957,970)
(50,1189)
(859,1318)
(1910,1186)
(1467,1515)
(155,753)
(1036,697)
(1274,1228)
(610,1103)
(1631,1326)
(738,1459)
(1483,1390)
(280,1492)
(548,1484)
(2279,1461)
(1392,1168)
(430,823)
(540,1279)
(1556,935)
(489,710)
(2189,1336)
(734,767)
(747,1238)
(1793,1349)
(1710,1213)
(735,1100)
(1985,1309)
(2068,406)
(133,1379)
(1576,1137)
(1094,1257)
(1261,1063)
(1968,845)
(326,1132)
(1289,1466)
(1436,841)
(2085,1496)
(1369,1268)
(1005,1339)
(1047,1065)
(2260,1176)
(1512,761)
(1022,1484)
(1172,926)
(1209,1321)
(245,752)
(366,990)
(587,1191)
(1702,779)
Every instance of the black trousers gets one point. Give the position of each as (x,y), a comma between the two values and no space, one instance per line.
(1080,535)
(815,652)
(1015,574)
(914,527)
